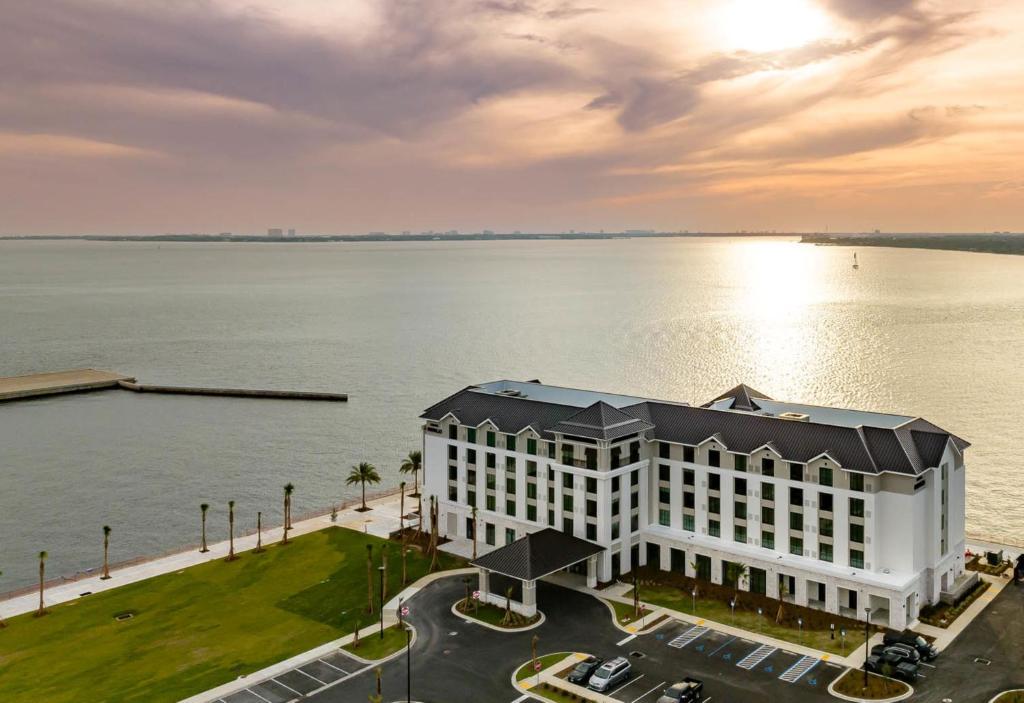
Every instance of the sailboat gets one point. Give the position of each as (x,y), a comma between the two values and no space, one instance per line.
(856,265)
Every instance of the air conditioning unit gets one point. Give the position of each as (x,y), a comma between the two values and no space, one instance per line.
(798,417)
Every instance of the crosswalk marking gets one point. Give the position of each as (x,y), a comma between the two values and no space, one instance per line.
(756,657)
(802,666)
(688,636)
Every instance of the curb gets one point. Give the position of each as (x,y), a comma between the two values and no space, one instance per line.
(1012,690)
(477,621)
(901,697)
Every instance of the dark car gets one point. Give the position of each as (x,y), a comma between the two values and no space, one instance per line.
(686,691)
(927,650)
(899,651)
(892,665)
(584,670)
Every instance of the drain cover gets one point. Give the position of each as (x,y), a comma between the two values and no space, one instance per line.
(982,660)
(121,617)
(638,655)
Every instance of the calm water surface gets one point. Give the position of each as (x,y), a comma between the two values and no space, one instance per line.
(398,326)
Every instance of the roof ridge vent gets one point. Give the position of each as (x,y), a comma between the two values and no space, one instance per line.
(512,393)
(796,417)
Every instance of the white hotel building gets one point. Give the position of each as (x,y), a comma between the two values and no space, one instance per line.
(830,508)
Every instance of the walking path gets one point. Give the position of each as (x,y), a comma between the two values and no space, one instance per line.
(381,521)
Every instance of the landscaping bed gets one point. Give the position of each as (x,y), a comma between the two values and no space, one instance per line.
(980,564)
(1010,697)
(879,687)
(554,693)
(548,660)
(371,647)
(495,616)
(672,590)
(200,627)
(943,615)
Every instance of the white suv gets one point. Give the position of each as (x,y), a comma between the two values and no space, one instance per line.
(610,674)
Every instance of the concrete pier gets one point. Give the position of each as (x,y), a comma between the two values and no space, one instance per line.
(74,381)
(233,392)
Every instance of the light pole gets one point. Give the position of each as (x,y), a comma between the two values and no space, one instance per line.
(693,594)
(760,623)
(800,624)
(408,664)
(867,634)
(380,570)
(842,639)
(732,606)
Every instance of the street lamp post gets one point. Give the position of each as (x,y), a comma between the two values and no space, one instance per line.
(867,634)
(380,570)
(693,594)
(732,606)
(408,664)
(842,639)
(760,623)
(800,624)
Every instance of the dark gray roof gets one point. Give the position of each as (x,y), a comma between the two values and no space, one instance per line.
(601,421)
(538,554)
(910,448)
(742,398)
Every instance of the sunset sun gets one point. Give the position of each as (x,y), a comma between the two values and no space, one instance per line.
(755,25)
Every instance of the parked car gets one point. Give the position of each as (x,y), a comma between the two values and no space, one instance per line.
(892,665)
(927,650)
(686,691)
(584,670)
(610,674)
(901,651)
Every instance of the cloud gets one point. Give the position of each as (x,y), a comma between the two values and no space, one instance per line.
(869,10)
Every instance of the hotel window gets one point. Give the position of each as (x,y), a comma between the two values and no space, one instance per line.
(741,462)
(714,505)
(739,534)
(664,472)
(856,558)
(857,533)
(634,523)
(531,445)
(591,508)
(489,533)
(634,478)
(739,486)
(531,490)
(825,476)
(615,508)
(664,518)
(471,498)
(796,546)
(796,496)
(453,473)
(490,480)
(591,485)
(567,480)
(616,457)
(825,552)
(857,482)
(714,458)
(492,460)
(510,442)
(825,502)
(714,528)
(664,495)
(567,526)
(471,435)
(471,456)
(688,523)
(491,439)
(567,454)
(551,517)
(615,530)
(567,503)
(796,521)
(768,540)
(688,454)
(825,527)
(531,513)
(767,467)
(634,452)
(510,464)
(490,503)
(768,516)
(856,507)
(531,468)
(714,482)
(768,491)
(688,477)
(664,450)
(453,493)
(796,472)
(740,510)
(453,452)
(688,500)
(453,431)
(510,486)
(591,531)
(615,483)
(510,535)
(551,450)
(510,507)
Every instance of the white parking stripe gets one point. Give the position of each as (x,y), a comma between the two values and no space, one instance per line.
(629,682)
(622,642)
(332,666)
(322,683)
(649,691)
(286,686)
(257,695)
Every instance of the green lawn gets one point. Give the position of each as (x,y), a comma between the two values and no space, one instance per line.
(198,628)
(678,599)
(493,615)
(624,612)
(372,647)
(526,670)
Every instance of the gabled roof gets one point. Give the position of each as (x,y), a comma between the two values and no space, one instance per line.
(601,421)
(538,554)
(742,398)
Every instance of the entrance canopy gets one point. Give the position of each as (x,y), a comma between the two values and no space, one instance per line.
(533,557)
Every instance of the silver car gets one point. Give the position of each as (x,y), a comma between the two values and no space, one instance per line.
(610,674)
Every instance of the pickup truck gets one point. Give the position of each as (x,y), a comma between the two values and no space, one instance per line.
(686,691)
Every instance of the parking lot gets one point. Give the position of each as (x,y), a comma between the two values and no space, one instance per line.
(299,682)
(729,666)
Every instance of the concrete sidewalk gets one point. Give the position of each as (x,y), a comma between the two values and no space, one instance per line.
(945,636)
(382,520)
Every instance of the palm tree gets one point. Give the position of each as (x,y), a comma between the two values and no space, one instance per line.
(362,474)
(106,550)
(369,578)
(736,573)
(203,507)
(42,582)
(231,531)
(412,465)
(288,489)
(401,512)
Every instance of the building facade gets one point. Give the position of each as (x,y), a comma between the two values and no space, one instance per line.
(835,509)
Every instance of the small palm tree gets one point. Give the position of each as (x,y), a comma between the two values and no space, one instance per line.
(288,489)
(231,531)
(106,551)
(203,507)
(412,465)
(369,578)
(363,474)
(42,582)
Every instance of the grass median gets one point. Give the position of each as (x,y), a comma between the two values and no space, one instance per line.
(200,627)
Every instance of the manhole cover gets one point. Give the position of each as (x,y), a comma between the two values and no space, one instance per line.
(638,655)
(982,660)
(121,617)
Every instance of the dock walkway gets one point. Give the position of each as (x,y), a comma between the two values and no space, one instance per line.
(74,381)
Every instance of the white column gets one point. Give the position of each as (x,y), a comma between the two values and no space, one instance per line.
(771,586)
(666,557)
(800,597)
(485,584)
(626,506)
(520,488)
(676,498)
(604,511)
(592,572)
(529,598)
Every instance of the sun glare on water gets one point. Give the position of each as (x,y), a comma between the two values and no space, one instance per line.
(767,25)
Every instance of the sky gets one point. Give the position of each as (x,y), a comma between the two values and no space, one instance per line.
(349,116)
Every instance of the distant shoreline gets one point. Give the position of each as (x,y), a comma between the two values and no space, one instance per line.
(381,237)
(978,243)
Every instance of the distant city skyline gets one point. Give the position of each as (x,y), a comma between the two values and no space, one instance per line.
(511,115)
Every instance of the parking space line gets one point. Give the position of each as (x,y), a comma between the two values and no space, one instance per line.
(801,667)
(257,695)
(286,686)
(622,642)
(333,666)
(649,691)
(322,683)
(723,646)
(630,682)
